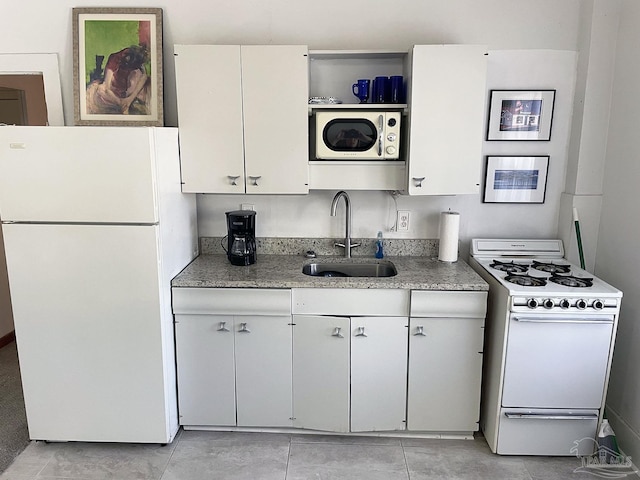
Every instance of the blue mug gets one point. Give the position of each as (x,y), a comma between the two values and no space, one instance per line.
(396,89)
(361,90)
(380,88)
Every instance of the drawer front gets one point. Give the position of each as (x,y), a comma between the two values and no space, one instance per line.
(470,304)
(231,301)
(346,301)
(547,432)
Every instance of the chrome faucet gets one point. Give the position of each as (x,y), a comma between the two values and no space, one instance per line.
(347,245)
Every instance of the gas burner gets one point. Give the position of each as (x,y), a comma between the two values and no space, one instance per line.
(571,281)
(526,280)
(509,267)
(551,267)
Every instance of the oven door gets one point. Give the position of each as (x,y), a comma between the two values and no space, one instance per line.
(556,361)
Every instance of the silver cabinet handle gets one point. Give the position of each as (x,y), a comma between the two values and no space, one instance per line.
(419,331)
(418,181)
(233,179)
(223,327)
(361,332)
(255,179)
(336,333)
(243,328)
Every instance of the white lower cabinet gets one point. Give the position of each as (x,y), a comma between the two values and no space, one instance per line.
(321,369)
(446,336)
(206,373)
(349,373)
(378,373)
(335,360)
(263,371)
(233,370)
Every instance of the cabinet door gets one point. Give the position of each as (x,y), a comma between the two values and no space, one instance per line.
(209,94)
(206,377)
(321,373)
(263,371)
(275,83)
(378,373)
(445,370)
(447,97)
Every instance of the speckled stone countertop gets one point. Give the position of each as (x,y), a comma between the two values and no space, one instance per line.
(285,271)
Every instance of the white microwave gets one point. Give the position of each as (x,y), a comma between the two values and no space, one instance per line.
(357,135)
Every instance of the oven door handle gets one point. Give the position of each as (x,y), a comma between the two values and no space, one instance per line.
(523,416)
(562,320)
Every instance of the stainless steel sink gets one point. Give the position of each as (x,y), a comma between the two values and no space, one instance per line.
(372,269)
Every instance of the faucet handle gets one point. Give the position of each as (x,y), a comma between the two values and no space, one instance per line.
(354,245)
(338,244)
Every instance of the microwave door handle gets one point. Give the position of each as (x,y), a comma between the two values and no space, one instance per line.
(380,126)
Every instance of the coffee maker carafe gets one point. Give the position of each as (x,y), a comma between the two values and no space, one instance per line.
(241,237)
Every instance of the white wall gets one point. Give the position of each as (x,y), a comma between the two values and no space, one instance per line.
(41,26)
(617,258)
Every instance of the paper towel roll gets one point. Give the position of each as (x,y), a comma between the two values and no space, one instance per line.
(449,229)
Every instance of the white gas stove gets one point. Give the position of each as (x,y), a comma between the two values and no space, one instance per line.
(538,278)
(549,339)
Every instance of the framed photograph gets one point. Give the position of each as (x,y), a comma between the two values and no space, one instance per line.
(514,179)
(520,114)
(117,63)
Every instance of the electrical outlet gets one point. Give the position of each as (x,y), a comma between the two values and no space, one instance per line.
(247,206)
(403,220)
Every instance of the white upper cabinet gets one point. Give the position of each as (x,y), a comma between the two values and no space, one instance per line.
(243,118)
(447,99)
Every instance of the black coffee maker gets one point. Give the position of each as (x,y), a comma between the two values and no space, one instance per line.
(241,237)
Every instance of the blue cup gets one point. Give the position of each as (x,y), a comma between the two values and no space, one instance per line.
(361,90)
(380,88)
(396,89)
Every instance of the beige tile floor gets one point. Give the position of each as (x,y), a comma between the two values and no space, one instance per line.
(256,456)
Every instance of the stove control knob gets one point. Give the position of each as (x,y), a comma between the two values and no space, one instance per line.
(598,304)
(564,303)
(581,304)
(532,303)
(548,303)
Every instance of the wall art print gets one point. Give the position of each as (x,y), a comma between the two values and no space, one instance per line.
(516,179)
(117,56)
(520,114)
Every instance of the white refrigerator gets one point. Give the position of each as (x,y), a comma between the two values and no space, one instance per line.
(95,226)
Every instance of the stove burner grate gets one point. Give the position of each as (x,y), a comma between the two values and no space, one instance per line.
(551,267)
(526,280)
(510,267)
(571,281)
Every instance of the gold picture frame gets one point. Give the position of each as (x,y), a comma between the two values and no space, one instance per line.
(117,64)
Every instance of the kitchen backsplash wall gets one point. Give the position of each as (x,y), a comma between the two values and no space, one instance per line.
(325,246)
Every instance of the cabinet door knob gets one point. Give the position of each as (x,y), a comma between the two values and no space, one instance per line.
(419,331)
(418,181)
(243,328)
(361,332)
(223,327)
(233,179)
(336,333)
(255,179)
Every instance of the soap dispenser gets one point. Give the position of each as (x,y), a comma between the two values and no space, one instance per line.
(379,246)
